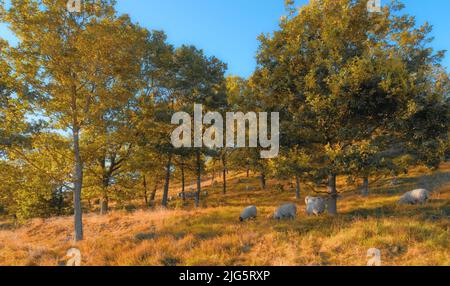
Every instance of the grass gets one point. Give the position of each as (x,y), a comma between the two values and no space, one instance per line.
(213,235)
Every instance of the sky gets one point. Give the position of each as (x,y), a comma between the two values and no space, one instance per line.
(228,29)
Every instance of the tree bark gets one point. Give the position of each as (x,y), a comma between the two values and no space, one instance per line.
(365,188)
(224,162)
(199,180)
(183,182)
(263,180)
(153,195)
(167,182)
(144,182)
(78,185)
(58,200)
(297,187)
(213,177)
(105,200)
(104,208)
(332,191)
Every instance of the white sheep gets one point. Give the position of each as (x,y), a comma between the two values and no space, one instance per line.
(248,213)
(415,197)
(286,211)
(315,206)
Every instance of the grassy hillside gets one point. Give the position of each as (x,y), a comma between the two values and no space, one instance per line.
(213,235)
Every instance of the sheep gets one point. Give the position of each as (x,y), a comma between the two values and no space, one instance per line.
(248,213)
(286,211)
(419,196)
(315,206)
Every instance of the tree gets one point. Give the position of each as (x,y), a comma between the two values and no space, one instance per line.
(155,106)
(293,163)
(349,74)
(200,80)
(13,128)
(37,178)
(67,61)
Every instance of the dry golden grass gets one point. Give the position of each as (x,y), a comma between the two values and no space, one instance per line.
(212,235)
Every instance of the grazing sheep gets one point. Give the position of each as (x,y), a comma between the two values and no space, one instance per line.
(248,213)
(286,211)
(415,197)
(315,206)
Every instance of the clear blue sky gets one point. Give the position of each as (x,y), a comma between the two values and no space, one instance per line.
(229,29)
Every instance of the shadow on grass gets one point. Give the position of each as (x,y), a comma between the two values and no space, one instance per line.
(8,225)
(434,209)
(429,182)
(424,212)
(220,222)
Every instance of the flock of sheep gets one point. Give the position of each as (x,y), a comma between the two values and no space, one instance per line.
(317,206)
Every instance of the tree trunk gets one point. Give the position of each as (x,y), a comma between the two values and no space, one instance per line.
(167,182)
(248,172)
(263,181)
(104,208)
(78,185)
(224,162)
(297,187)
(183,182)
(59,200)
(332,191)
(199,180)
(365,188)
(153,195)
(145,191)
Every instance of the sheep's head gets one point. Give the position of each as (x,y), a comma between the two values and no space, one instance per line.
(404,201)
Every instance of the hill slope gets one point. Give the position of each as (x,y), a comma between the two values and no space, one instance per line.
(213,235)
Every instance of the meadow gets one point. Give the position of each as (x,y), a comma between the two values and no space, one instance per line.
(212,235)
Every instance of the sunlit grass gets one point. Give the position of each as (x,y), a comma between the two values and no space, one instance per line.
(213,235)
